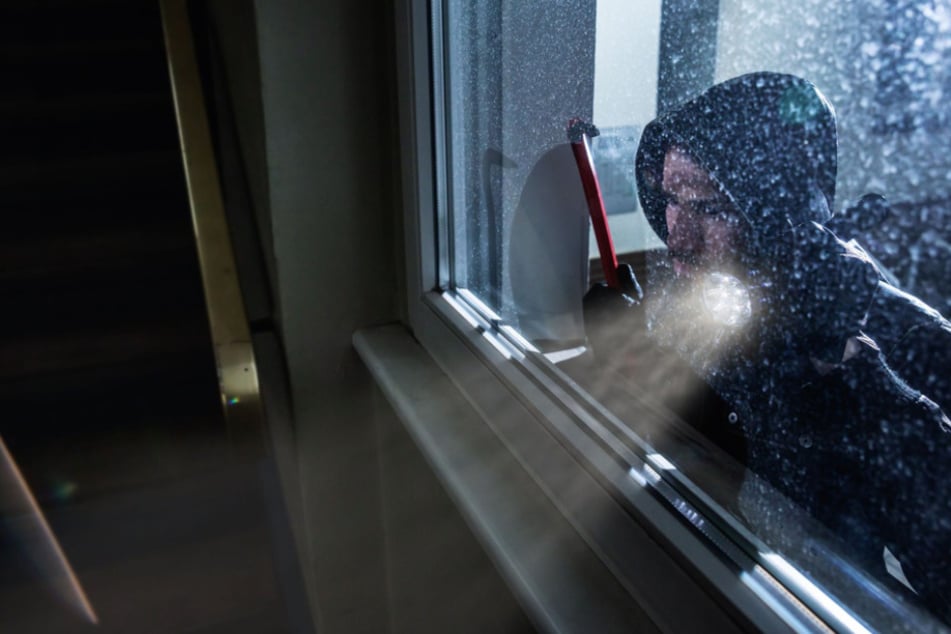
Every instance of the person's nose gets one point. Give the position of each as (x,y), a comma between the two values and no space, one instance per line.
(682,234)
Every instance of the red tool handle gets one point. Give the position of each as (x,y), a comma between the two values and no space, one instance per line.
(578,135)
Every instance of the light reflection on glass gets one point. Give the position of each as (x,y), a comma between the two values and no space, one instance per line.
(769,599)
(661,462)
(497,345)
(517,337)
(564,355)
(19,504)
(637,477)
(465,314)
(726,299)
(813,593)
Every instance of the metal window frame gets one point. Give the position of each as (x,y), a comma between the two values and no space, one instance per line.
(662,557)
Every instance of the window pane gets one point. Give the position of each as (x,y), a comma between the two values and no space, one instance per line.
(518,73)
(777,176)
(625,100)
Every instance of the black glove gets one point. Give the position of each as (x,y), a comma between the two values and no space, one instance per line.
(610,314)
(819,294)
(601,295)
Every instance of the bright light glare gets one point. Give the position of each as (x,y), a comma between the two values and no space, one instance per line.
(661,462)
(815,594)
(652,476)
(726,299)
(637,477)
(478,304)
(766,597)
(497,345)
(465,313)
(518,338)
(563,355)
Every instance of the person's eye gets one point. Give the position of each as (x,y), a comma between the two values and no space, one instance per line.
(710,207)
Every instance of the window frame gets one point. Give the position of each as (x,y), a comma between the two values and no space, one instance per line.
(662,557)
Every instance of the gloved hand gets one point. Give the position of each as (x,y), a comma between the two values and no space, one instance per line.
(611,314)
(819,292)
(891,443)
(602,295)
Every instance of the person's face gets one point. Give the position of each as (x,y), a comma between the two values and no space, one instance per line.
(704,229)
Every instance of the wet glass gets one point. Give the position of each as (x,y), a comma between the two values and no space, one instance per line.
(785,349)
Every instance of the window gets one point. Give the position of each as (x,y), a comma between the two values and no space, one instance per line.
(798,474)
(625,100)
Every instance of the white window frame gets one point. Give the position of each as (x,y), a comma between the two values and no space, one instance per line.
(633,539)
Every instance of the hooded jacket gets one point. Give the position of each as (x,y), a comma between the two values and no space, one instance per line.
(770,141)
(843,406)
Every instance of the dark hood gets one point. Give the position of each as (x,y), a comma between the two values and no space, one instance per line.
(768,139)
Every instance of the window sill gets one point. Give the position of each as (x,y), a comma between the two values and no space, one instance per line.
(575,559)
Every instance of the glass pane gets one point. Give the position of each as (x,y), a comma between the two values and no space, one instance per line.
(625,100)
(518,73)
(776,176)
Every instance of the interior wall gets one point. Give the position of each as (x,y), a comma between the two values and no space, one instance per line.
(236,33)
(383,548)
(331,221)
(438,579)
(232,90)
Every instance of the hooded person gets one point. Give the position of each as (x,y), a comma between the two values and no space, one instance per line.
(838,380)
